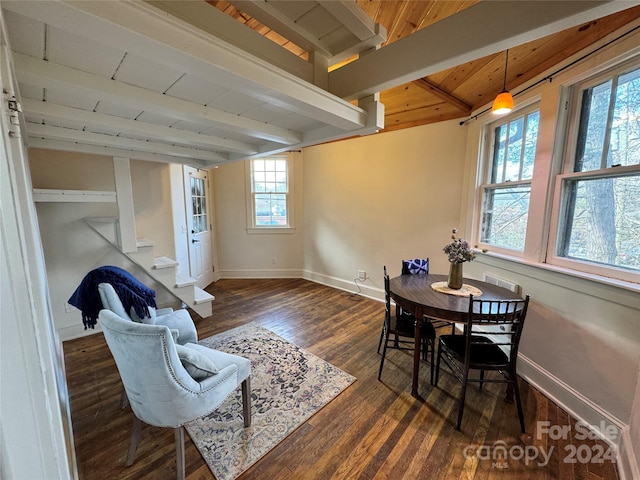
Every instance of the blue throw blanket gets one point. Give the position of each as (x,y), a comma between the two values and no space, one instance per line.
(132,293)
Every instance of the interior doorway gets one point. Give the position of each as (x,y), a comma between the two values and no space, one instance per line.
(199,225)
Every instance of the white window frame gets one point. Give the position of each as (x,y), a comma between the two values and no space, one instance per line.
(550,170)
(252,228)
(486,165)
(567,133)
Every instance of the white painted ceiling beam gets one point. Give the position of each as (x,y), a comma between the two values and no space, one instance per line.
(151,33)
(355,19)
(359,48)
(101,139)
(213,21)
(45,74)
(329,134)
(367,33)
(483,29)
(51,112)
(35,142)
(270,15)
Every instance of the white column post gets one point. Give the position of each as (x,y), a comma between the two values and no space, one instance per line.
(124,195)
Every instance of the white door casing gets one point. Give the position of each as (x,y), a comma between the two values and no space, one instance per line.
(199,225)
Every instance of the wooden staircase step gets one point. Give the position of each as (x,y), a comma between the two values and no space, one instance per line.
(203,303)
(202,296)
(164,262)
(144,242)
(184,281)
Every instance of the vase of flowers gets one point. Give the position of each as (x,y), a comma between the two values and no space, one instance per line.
(458,251)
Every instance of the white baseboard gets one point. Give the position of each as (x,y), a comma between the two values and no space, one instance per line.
(354,286)
(76,331)
(628,463)
(606,426)
(263,273)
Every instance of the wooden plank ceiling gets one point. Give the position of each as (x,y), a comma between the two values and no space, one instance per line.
(205,83)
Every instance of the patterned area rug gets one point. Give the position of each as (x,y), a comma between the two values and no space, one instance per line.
(288,385)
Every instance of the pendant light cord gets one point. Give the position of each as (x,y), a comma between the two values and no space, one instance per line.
(506,63)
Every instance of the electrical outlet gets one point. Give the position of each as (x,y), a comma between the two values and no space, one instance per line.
(274,260)
(362,275)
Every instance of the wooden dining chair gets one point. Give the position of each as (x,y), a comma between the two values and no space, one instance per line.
(398,331)
(420,266)
(490,342)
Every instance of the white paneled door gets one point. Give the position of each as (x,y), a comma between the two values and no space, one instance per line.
(198,226)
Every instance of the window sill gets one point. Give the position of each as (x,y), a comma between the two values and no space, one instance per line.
(596,285)
(270,230)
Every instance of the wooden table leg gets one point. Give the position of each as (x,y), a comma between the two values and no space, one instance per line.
(416,355)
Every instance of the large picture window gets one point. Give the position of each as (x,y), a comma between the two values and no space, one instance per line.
(558,181)
(507,187)
(599,219)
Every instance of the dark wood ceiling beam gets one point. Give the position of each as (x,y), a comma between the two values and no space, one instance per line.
(442,95)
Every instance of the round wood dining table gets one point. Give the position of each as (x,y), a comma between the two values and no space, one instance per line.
(415,294)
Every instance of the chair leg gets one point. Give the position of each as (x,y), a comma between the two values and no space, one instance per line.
(384,353)
(435,383)
(433,347)
(516,390)
(246,401)
(135,438)
(461,398)
(481,378)
(381,337)
(179,436)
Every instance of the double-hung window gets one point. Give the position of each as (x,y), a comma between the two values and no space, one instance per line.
(598,226)
(270,205)
(508,170)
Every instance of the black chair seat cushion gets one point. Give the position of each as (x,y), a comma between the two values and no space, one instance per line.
(487,354)
(404,325)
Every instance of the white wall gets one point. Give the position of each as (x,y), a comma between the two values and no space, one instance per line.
(152,203)
(376,200)
(243,254)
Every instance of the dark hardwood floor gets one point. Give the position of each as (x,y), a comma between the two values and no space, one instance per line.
(372,430)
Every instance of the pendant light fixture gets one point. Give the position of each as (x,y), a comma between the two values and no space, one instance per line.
(504,101)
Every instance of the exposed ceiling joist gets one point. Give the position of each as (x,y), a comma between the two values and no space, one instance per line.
(109,151)
(204,84)
(46,74)
(483,29)
(100,139)
(441,94)
(211,20)
(54,112)
(295,23)
(144,29)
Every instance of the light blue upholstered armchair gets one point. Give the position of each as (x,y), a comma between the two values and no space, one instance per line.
(174,319)
(169,384)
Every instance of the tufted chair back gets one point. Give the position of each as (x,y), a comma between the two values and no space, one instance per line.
(167,384)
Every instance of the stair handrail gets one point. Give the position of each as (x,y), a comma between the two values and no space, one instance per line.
(117,246)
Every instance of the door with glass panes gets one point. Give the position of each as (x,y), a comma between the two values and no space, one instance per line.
(198,226)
